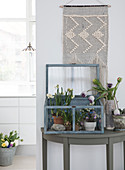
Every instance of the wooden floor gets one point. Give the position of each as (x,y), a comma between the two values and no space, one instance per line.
(22,163)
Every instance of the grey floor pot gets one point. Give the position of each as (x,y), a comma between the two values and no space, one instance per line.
(6,156)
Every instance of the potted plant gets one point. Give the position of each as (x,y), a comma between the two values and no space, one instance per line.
(87,116)
(60,99)
(90,116)
(77,121)
(67,117)
(68,126)
(108,93)
(8,147)
(119,120)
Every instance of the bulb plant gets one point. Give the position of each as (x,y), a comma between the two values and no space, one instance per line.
(87,114)
(109,92)
(60,99)
(8,141)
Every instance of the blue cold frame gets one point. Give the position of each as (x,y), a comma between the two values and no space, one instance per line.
(77,103)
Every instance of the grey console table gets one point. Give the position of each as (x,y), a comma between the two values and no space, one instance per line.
(108,139)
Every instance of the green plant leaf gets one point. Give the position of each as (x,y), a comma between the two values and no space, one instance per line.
(98,89)
(103,95)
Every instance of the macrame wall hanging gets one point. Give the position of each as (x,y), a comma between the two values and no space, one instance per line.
(85,36)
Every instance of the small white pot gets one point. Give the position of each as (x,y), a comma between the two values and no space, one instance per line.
(90,126)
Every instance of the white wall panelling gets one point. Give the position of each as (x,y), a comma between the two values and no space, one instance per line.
(6,128)
(8,102)
(19,114)
(30,102)
(27,115)
(9,114)
(28,133)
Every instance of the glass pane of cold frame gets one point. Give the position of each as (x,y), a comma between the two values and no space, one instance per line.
(78,78)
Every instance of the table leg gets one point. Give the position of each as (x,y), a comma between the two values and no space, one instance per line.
(66,154)
(109,150)
(44,153)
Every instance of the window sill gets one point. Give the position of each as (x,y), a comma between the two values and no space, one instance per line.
(9,89)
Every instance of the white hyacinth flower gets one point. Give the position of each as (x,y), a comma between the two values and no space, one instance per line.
(50,96)
(92,98)
(116,112)
(16,142)
(6,142)
(91,104)
(12,143)
(72,97)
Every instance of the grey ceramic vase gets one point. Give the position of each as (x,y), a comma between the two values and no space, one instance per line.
(110,107)
(6,156)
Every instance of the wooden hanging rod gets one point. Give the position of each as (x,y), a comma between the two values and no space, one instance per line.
(85,6)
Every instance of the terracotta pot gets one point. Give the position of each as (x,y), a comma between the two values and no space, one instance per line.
(76,127)
(110,107)
(68,127)
(58,120)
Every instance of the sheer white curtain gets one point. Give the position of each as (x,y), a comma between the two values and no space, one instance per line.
(78,78)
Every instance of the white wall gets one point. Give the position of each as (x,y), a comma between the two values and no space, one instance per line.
(116,57)
(49,50)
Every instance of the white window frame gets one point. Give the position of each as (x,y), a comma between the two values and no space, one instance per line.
(31,84)
(28,20)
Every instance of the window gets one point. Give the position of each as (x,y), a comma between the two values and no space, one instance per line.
(17,29)
(13,8)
